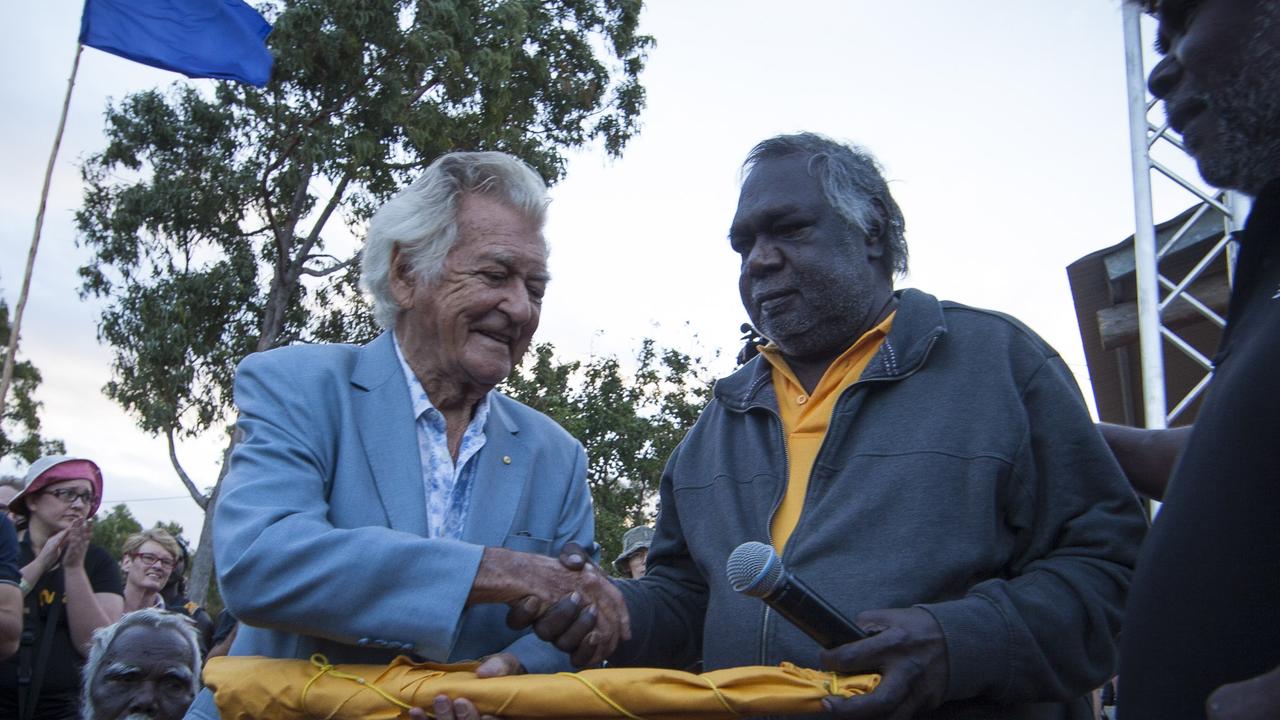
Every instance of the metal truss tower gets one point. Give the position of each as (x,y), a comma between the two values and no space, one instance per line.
(1150,140)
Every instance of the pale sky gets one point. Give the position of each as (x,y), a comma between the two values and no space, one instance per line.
(1001,126)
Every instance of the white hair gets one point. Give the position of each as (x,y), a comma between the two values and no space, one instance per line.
(854,185)
(150,617)
(422,219)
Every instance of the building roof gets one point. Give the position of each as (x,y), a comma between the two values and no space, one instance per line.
(1104,289)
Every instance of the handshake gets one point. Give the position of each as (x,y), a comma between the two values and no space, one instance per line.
(569,601)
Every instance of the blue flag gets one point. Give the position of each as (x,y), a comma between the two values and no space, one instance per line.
(198,38)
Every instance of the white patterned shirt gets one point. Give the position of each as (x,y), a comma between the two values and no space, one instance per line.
(446,485)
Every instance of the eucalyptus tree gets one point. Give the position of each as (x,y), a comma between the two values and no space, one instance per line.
(223,219)
(629,420)
(20,417)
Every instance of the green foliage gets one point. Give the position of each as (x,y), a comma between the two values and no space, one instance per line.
(629,423)
(20,424)
(208,213)
(112,528)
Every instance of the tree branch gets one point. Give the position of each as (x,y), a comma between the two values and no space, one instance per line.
(251,233)
(292,142)
(196,495)
(304,252)
(332,268)
(417,95)
(299,198)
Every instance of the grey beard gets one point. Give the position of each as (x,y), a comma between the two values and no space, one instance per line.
(1249,116)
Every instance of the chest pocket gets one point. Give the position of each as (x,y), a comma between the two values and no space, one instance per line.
(523,542)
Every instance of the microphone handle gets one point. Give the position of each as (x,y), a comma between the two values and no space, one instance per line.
(794,601)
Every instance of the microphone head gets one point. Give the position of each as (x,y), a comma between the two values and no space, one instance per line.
(754,569)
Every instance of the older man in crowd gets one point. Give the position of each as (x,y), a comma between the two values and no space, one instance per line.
(1202,627)
(928,468)
(147,665)
(384,499)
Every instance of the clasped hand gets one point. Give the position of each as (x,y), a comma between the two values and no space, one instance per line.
(538,587)
(588,627)
(907,648)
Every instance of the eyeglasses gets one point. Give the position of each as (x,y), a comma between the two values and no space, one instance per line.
(149,559)
(69,496)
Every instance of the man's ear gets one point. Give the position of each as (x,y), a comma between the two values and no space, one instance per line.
(401,278)
(877,233)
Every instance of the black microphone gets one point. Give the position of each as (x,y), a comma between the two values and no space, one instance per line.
(755,569)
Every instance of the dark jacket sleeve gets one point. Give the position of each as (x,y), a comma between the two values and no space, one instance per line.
(667,605)
(1048,631)
(10,569)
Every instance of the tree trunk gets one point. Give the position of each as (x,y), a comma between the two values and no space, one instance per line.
(202,563)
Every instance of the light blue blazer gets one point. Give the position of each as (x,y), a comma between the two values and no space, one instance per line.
(320,523)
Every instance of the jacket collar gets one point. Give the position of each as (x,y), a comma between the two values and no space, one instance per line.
(917,325)
(377,363)
(384,420)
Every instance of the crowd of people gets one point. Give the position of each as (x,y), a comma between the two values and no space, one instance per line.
(63,601)
(929,468)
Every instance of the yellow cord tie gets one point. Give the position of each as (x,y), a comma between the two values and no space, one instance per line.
(834,686)
(322,662)
(608,700)
(719,695)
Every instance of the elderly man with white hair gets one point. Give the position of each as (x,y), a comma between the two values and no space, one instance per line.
(144,667)
(385,499)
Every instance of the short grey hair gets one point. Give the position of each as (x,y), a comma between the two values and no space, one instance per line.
(149,617)
(854,185)
(422,219)
(157,535)
(12,481)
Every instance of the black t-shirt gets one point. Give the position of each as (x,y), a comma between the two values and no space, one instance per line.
(1204,607)
(60,691)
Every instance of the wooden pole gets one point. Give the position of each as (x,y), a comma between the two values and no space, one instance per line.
(11,354)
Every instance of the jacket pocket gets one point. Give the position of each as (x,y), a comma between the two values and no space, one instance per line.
(523,542)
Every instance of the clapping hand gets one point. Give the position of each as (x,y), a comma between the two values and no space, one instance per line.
(76,544)
(51,552)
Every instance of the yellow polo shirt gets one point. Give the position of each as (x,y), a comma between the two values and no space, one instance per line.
(806,417)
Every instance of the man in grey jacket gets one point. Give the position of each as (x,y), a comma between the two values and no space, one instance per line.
(928,468)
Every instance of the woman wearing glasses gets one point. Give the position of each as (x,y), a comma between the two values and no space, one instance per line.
(147,559)
(71,588)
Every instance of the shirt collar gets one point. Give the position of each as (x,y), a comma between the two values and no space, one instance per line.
(773,354)
(418,394)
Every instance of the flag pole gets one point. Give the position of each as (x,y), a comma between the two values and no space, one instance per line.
(9,358)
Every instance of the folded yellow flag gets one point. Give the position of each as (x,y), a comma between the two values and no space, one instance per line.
(255,687)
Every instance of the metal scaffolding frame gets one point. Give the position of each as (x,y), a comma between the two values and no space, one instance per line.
(1156,291)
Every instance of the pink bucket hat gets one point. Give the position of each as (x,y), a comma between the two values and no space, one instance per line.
(55,469)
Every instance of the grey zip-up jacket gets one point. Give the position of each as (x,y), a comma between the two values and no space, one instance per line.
(962,473)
